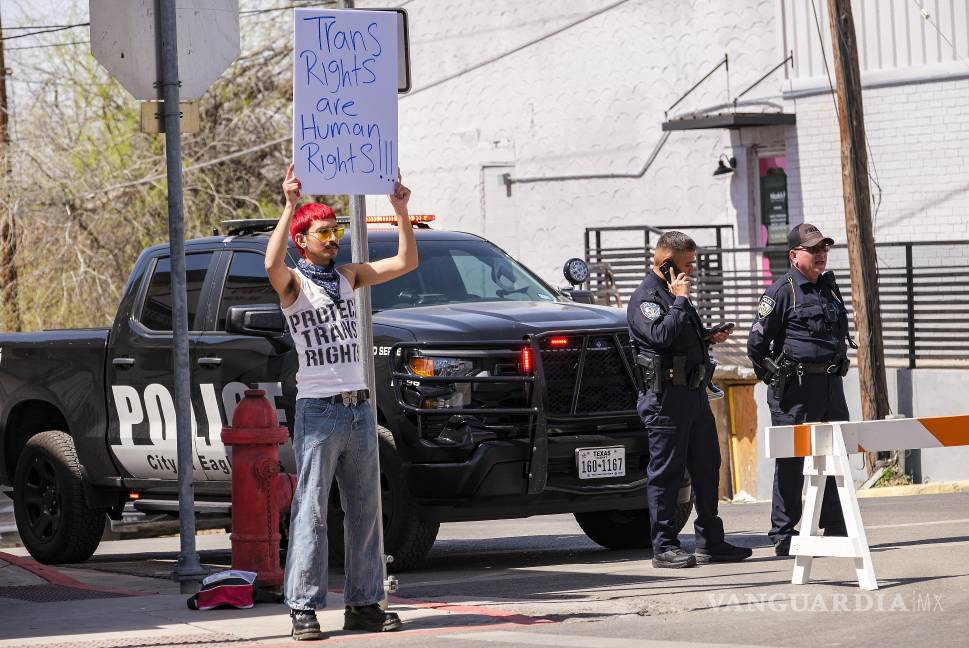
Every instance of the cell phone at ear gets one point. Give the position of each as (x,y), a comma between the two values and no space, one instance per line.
(667,270)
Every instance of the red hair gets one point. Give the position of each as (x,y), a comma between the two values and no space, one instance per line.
(305,216)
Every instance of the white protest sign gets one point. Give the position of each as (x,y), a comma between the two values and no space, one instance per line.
(345,101)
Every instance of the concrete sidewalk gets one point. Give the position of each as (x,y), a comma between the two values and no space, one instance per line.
(60,607)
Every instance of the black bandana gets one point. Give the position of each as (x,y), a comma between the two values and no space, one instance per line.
(326,278)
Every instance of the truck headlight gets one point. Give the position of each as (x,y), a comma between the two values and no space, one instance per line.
(438,395)
(439,366)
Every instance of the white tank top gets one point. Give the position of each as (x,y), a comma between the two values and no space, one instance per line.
(325,336)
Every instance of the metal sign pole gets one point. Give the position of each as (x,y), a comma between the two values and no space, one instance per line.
(360,253)
(188,571)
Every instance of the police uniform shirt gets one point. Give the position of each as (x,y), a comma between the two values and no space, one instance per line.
(665,325)
(807,320)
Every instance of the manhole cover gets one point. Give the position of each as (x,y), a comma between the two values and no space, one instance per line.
(52,593)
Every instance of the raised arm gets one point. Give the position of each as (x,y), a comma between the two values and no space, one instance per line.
(378,272)
(282,278)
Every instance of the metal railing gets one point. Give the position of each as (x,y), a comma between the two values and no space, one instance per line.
(923,288)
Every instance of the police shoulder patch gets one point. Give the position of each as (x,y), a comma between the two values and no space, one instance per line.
(766,306)
(650,310)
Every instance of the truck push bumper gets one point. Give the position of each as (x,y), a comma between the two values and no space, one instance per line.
(498,468)
(581,377)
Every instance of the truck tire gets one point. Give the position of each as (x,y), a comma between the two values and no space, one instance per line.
(627,529)
(54,522)
(407,537)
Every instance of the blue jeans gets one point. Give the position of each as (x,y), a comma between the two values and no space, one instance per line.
(334,440)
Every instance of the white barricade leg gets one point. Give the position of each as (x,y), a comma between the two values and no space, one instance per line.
(809,544)
(864,567)
(810,518)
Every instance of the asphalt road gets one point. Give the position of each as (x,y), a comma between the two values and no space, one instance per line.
(563,590)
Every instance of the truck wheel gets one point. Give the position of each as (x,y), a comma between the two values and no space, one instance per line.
(54,522)
(628,529)
(406,537)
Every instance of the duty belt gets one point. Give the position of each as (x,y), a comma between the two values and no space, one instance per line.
(657,371)
(835,368)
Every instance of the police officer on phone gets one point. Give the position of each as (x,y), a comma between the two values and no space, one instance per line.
(674,368)
(798,346)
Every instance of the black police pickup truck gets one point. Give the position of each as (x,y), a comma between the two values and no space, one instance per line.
(497,397)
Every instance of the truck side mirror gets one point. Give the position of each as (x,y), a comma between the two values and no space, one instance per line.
(265,320)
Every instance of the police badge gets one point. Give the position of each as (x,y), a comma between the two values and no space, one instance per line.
(650,310)
(766,306)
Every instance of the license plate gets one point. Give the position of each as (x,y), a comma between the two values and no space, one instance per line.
(596,463)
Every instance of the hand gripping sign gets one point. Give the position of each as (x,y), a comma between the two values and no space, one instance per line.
(825,447)
(345,101)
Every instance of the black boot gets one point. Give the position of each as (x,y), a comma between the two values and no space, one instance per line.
(722,552)
(305,625)
(370,618)
(676,558)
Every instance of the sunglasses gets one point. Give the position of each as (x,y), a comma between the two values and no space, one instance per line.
(817,249)
(327,233)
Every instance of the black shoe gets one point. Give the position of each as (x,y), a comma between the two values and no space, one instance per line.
(835,532)
(783,547)
(677,558)
(305,625)
(370,618)
(723,552)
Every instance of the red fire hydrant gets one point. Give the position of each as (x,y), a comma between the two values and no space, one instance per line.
(259,490)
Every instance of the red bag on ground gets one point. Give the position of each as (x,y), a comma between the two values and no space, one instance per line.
(229,588)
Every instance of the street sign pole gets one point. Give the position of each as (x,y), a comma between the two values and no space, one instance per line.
(360,253)
(188,571)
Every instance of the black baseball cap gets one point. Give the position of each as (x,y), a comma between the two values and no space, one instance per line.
(806,235)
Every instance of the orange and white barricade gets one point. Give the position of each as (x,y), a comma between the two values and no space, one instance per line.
(825,448)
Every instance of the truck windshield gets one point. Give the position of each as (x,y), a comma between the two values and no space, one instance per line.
(454,272)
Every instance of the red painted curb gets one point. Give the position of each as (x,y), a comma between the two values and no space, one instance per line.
(55,577)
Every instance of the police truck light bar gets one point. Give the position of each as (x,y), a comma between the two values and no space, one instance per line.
(414,218)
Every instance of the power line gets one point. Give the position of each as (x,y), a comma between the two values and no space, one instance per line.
(27,47)
(37,27)
(45,31)
(515,50)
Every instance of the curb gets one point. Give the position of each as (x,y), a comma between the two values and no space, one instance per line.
(936,488)
(55,577)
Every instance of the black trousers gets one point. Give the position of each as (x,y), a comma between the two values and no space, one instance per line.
(818,397)
(682,435)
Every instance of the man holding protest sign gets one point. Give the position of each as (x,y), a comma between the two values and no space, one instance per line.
(334,433)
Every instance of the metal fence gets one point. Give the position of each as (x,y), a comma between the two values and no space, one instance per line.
(923,288)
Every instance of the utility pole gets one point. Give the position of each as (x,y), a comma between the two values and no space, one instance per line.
(858,227)
(9,309)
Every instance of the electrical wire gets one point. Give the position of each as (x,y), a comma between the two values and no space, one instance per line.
(871,161)
(44,31)
(27,47)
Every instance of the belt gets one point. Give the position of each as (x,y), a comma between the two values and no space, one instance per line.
(818,367)
(348,397)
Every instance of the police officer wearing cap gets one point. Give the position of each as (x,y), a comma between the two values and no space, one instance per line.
(675,369)
(798,346)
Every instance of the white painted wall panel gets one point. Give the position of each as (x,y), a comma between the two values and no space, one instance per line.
(894,39)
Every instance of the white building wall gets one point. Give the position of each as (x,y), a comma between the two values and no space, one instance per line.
(918,136)
(587,100)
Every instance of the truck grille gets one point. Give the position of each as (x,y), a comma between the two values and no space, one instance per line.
(587,374)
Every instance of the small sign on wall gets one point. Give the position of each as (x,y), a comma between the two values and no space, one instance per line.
(345,79)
